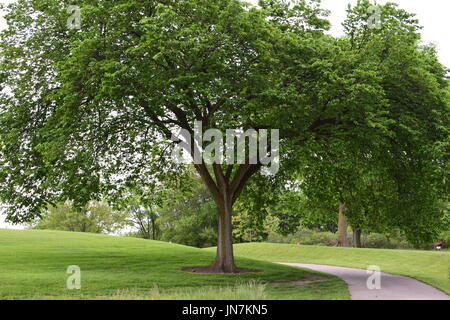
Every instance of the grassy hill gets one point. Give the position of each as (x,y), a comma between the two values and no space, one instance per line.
(33,265)
(428,266)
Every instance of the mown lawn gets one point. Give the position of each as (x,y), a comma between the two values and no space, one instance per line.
(431,267)
(33,265)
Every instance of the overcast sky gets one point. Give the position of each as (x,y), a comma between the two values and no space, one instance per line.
(433,15)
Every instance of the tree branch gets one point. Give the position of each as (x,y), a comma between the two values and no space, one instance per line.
(241,180)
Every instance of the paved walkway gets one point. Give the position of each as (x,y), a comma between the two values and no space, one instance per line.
(393,287)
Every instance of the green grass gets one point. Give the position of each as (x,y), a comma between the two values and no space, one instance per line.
(251,290)
(33,265)
(428,266)
(245,291)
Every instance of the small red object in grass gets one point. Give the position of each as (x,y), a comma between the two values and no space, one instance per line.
(438,246)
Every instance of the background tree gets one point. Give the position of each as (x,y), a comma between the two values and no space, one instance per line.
(144,218)
(401,184)
(248,228)
(189,218)
(95,218)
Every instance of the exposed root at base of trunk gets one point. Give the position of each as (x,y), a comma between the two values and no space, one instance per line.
(218,270)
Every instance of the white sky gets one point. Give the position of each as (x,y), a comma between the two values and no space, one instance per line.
(433,15)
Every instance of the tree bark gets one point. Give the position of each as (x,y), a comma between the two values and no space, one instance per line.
(357,237)
(342,227)
(224,262)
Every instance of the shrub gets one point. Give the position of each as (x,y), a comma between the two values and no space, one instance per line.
(319,238)
(379,241)
(306,237)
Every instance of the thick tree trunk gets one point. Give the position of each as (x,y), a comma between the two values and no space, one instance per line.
(342,227)
(225,191)
(357,237)
(224,262)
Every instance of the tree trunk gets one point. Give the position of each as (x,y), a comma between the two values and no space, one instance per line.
(153,229)
(225,192)
(224,262)
(357,237)
(342,227)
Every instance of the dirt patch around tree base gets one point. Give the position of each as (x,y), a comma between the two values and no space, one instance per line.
(210,270)
(309,278)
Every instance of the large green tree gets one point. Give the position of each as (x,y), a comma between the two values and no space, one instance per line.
(91,112)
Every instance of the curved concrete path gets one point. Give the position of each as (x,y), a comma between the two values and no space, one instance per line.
(392,287)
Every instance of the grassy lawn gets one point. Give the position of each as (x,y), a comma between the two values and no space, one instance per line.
(33,265)
(428,266)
